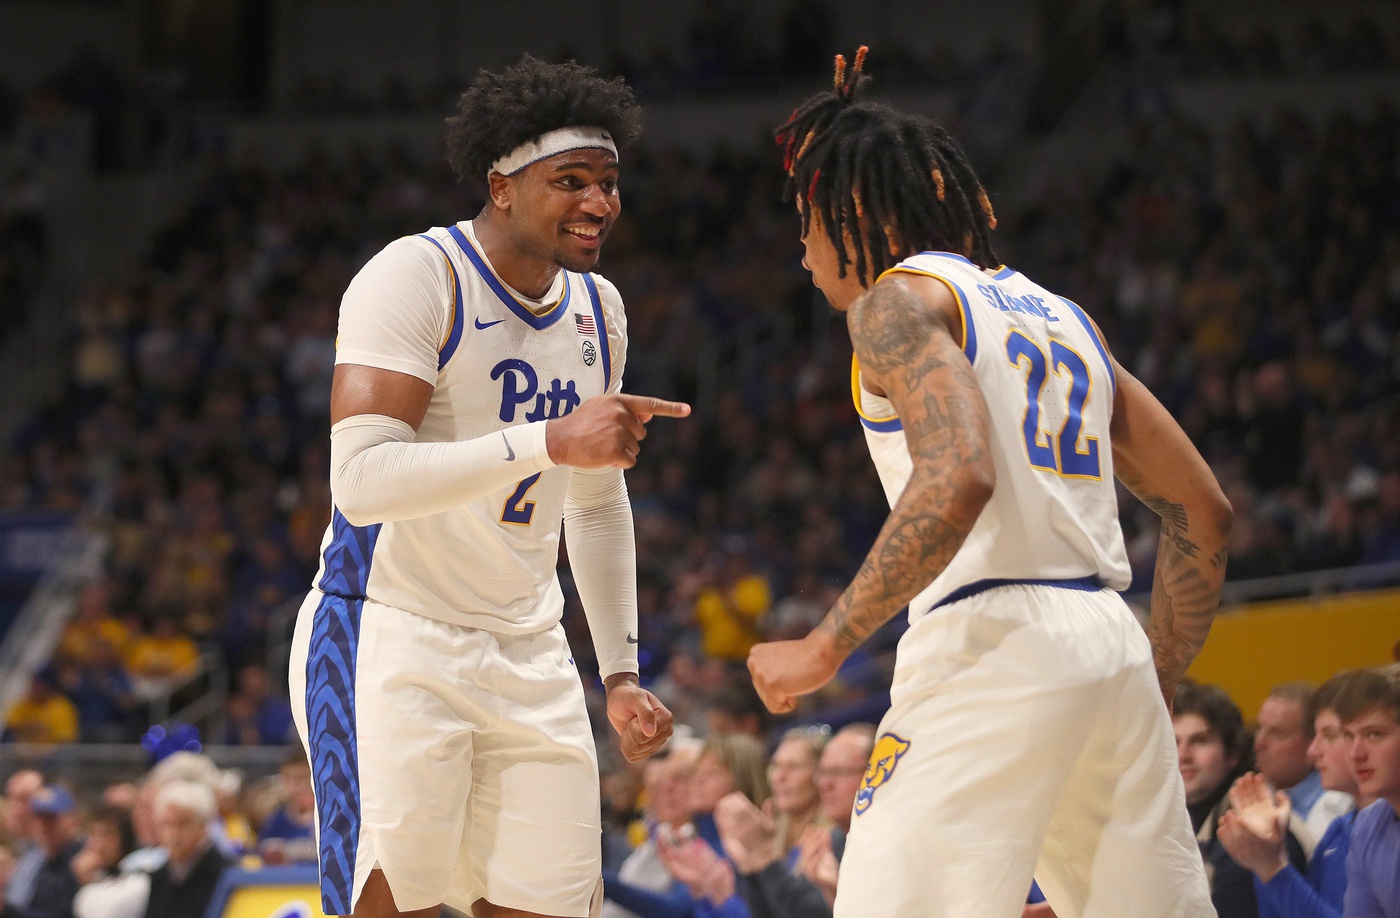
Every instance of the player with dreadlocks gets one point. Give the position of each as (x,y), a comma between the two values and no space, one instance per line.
(1027,731)
(477,402)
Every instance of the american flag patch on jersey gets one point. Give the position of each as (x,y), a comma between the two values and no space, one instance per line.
(585,325)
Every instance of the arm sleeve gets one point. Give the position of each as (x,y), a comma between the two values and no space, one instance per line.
(599,533)
(1290,895)
(603,558)
(379,475)
(397,311)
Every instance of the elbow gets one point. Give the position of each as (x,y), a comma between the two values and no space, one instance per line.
(1222,514)
(354,505)
(968,488)
(975,486)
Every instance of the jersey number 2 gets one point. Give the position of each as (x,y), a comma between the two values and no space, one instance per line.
(1061,455)
(518,510)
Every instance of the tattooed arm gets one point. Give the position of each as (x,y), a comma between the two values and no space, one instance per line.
(904,332)
(1155,459)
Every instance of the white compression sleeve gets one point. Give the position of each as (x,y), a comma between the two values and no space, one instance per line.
(379,475)
(603,557)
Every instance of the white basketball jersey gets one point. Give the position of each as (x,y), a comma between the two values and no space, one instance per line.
(432,306)
(1049,386)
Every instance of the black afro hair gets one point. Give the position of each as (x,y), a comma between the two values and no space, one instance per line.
(501,111)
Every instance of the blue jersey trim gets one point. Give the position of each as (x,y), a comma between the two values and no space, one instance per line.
(335,758)
(1003,273)
(602,327)
(1084,584)
(1094,337)
(888,426)
(538,323)
(348,557)
(454,337)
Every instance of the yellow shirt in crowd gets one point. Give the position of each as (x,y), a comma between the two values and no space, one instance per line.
(51,721)
(728,619)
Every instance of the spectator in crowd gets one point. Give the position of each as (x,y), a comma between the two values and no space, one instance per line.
(1253,831)
(702,880)
(667,779)
(289,835)
(1369,710)
(20,789)
(776,881)
(160,659)
(840,775)
(730,607)
(736,708)
(106,890)
(102,691)
(93,627)
(257,717)
(1282,754)
(792,774)
(57,833)
(43,715)
(185,883)
(1210,752)
(237,831)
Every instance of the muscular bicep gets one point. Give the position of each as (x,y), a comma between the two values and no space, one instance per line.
(359,389)
(903,332)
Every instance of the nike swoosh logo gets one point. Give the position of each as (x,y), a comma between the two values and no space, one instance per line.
(488,324)
(631,639)
(510,453)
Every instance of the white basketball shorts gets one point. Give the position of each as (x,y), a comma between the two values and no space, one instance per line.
(458,761)
(1026,735)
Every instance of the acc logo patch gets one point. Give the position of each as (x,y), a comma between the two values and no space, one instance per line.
(590,353)
(889,749)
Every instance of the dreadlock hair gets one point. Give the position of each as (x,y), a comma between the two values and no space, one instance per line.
(898,183)
(500,111)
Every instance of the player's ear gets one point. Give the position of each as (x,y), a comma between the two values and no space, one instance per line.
(501,189)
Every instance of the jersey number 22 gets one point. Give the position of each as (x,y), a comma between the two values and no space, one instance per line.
(1061,454)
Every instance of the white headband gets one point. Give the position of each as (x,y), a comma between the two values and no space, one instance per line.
(553,143)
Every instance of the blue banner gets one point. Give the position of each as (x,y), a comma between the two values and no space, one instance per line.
(29,543)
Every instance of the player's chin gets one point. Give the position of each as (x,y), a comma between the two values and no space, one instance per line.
(574,254)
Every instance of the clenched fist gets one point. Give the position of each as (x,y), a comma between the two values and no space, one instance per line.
(606,431)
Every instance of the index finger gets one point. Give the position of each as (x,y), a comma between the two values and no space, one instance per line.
(645,407)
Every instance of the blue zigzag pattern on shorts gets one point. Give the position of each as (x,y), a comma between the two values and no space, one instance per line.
(348,557)
(335,767)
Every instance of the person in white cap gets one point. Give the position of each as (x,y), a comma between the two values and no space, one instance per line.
(477,402)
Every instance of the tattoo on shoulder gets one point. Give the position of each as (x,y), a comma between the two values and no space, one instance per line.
(889,327)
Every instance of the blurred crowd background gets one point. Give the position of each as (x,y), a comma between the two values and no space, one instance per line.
(170,385)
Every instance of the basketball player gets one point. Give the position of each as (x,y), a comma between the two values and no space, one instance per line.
(476,402)
(1027,731)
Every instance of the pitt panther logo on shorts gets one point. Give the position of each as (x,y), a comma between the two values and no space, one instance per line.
(889,749)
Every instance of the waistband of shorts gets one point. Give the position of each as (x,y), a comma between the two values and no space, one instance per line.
(966,591)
